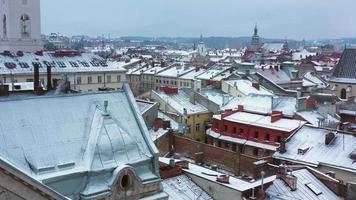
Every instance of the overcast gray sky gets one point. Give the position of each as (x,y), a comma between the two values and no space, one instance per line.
(294,19)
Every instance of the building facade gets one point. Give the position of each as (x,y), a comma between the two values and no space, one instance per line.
(249,133)
(20,28)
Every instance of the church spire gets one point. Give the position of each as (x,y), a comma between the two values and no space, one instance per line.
(256,30)
(201,38)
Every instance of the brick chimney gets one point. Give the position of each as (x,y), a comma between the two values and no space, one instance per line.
(282,148)
(275,116)
(256,85)
(38,90)
(4,90)
(240,108)
(287,177)
(49,78)
(329,138)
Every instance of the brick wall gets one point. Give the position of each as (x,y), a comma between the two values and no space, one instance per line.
(234,162)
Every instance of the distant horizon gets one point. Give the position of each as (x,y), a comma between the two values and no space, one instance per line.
(197,37)
(295,20)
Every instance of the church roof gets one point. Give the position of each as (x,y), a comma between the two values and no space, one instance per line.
(67,143)
(346,68)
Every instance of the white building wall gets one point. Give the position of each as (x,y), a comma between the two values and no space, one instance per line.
(14,40)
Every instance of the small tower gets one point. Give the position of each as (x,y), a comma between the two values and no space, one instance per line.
(20,28)
(201,47)
(255,43)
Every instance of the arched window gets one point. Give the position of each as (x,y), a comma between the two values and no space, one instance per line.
(4,26)
(25,26)
(343,93)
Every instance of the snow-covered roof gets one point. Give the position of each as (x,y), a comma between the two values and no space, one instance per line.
(225,101)
(283,124)
(297,56)
(210,175)
(143,106)
(310,78)
(213,72)
(57,140)
(307,187)
(275,47)
(245,87)
(85,62)
(277,76)
(174,124)
(180,101)
(314,117)
(175,71)
(216,135)
(183,188)
(192,74)
(336,154)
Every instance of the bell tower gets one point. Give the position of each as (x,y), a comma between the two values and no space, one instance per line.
(20,25)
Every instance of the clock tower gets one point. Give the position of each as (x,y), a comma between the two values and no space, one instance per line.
(20,25)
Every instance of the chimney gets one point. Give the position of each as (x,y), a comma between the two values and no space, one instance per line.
(49,78)
(36,74)
(256,85)
(36,81)
(275,116)
(329,138)
(282,148)
(287,177)
(4,90)
(240,108)
(199,158)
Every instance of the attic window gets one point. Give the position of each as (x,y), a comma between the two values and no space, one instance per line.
(103,63)
(125,181)
(61,64)
(24,65)
(85,64)
(94,63)
(74,64)
(314,189)
(10,65)
(302,151)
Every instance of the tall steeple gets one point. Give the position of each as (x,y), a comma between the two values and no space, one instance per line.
(201,47)
(255,43)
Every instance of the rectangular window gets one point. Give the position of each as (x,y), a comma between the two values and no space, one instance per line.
(225,128)
(90,80)
(79,80)
(255,152)
(234,147)
(108,78)
(234,130)
(197,127)
(100,79)
(267,136)
(256,134)
(29,80)
(279,139)
(241,130)
(118,78)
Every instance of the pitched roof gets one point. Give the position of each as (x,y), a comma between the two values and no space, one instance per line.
(346,68)
(307,186)
(57,140)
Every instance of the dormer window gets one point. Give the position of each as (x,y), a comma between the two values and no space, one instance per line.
(303,150)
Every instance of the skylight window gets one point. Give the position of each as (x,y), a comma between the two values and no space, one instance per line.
(24,65)
(314,189)
(61,64)
(74,64)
